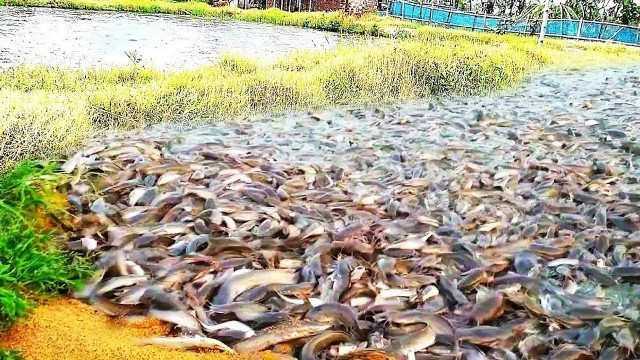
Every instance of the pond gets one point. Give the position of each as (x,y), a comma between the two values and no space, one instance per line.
(89,38)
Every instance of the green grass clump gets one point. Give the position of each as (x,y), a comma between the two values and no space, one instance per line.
(47,111)
(31,264)
(326,21)
(9,355)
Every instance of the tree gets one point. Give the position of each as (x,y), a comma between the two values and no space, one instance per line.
(616,11)
(626,12)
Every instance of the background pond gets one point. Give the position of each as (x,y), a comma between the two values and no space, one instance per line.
(88,38)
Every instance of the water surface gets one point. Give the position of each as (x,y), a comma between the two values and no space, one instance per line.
(90,38)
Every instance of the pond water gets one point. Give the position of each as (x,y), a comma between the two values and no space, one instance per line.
(89,38)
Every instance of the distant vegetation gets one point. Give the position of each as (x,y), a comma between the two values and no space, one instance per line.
(616,11)
(46,111)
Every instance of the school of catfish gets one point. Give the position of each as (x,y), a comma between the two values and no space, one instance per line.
(376,234)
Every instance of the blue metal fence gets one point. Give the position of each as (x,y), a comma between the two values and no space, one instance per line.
(577,29)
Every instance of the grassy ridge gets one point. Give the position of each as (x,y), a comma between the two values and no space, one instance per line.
(46,111)
(326,21)
(30,263)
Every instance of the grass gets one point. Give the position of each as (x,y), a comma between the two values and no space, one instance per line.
(31,265)
(47,111)
(326,21)
(9,355)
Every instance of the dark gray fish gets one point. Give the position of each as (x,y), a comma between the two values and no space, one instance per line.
(525,261)
(245,311)
(335,314)
(597,275)
(450,293)
(341,278)
(320,342)
(115,309)
(282,332)
(488,308)
(445,331)
(626,272)
(510,279)
(484,335)
(411,343)
(236,285)
(257,294)
(162,299)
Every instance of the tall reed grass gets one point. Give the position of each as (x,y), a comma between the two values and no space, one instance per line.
(46,111)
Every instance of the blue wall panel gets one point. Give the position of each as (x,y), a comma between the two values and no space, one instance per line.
(627,35)
(492,23)
(591,30)
(426,13)
(560,27)
(416,12)
(440,16)
(610,30)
